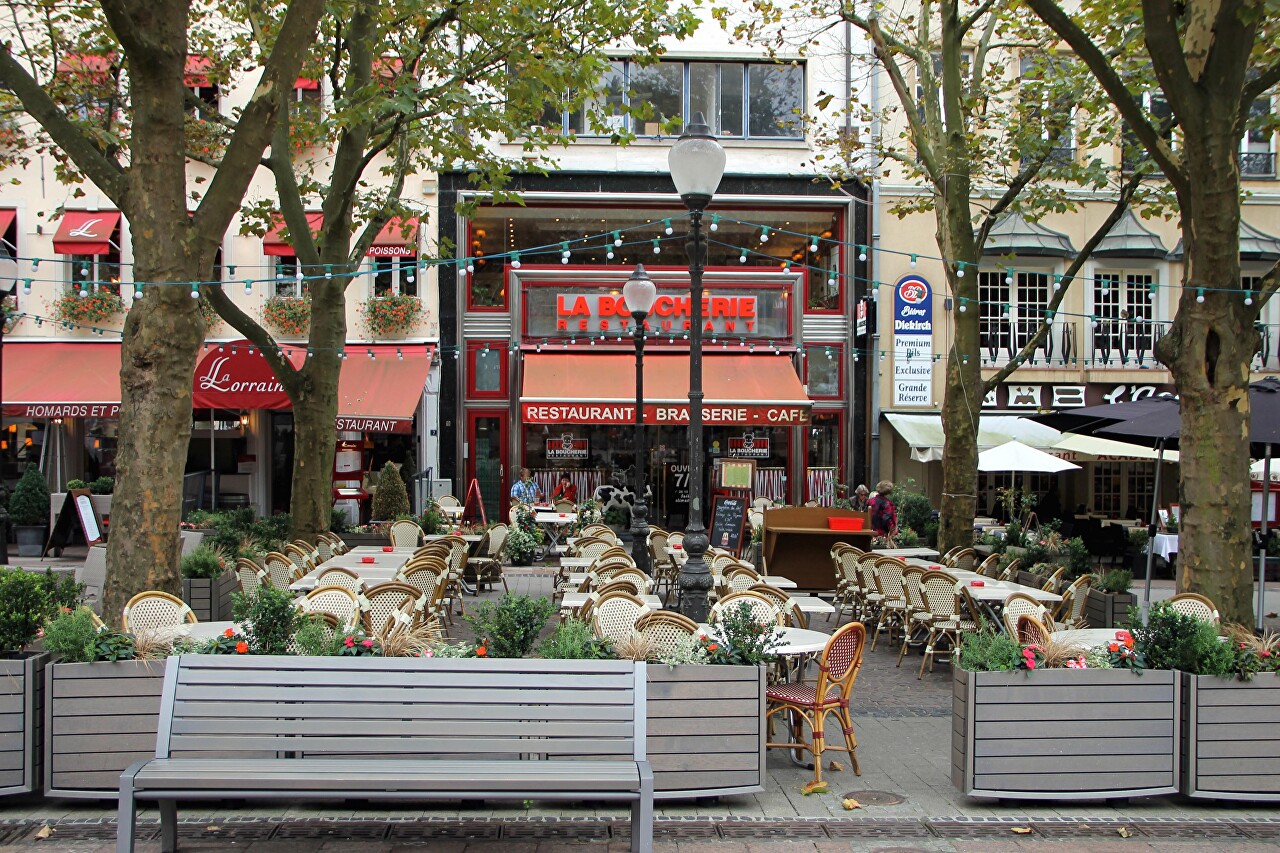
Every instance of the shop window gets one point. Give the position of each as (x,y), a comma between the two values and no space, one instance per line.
(95,273)
(824,370)
(487,369)
(824,458)
(397,276)
(1108,487)
(289,277)
(486,284)
(100,447)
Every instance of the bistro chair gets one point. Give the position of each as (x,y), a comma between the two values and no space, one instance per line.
(324,549)
(1070,613)
(488,566)
(811,704)
(1051,582)
(665,571)
(788,607)
(385,602)
(739,578)
(1031,631)
(405,533)
(337,600)
(448,500)
(1196,606)
(963,559)
(1020,604)
(312,552)
(338,576)
(250,574)
(1010,574)
(675,538)
(563,505)
(872,599)
(920,617)
(155,612)
(614,615)
(989,567)
(663,629)
(590,547)
(628,573)
(894,610)
(595,529)
(335,542)
(946,558)
(763,611)
(300,557)
(953,612)
(424,578)
(844,560)
(281,570)
(630,585)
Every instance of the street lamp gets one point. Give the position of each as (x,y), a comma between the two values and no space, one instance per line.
(640,293)
(8,283)
(697,163)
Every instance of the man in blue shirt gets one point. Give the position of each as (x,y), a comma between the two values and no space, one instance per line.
(526,490)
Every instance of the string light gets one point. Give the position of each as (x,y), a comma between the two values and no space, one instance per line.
(764,233)
(715,222)
(666,227)
(1200,294)
(657,248)
(515,260)
(813,244)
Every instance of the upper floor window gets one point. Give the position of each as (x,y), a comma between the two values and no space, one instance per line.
(200,83)
(90,241)
(1046,108)
(395,276)
(1160,114)
(1124,330)
(1012,307)
(289,277)
(1257,146)
(744,100)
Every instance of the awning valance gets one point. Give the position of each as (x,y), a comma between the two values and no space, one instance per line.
(61,380)
(925,435)
(397,239)
(6,219)
(275,243)
(86,232)
(599,389)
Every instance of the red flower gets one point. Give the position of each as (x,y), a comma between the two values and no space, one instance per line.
(368,644)
(230,632)
(1264,653)
(348,642)
(481,651)
(712,647)
(242,647)
(1113,647)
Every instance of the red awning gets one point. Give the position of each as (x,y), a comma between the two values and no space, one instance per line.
(306,83)
(274,242)
(6,219)
(196,71)
(590,389)
(236,376)
(397,239)
(59,379)
(86,232)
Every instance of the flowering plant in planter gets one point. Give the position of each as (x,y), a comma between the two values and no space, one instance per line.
(392,314)
(94,308)
(10,305)
(288,315)
(209,314)
(228,643)
(357,644)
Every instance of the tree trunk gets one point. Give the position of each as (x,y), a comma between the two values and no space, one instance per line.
(1208,351)
(315,408)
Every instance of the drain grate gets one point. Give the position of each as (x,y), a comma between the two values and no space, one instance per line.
(875,798)
(673,828)
(876,829)
(1259,829)
(101,831)
(1077,829)
(433,830)
(771,829)
(225,831)
(13,834)
(1187,829)
(575,830)
(967,829)
(335,830)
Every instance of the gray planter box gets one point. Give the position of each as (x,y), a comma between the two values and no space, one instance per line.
(1228,750)
(1108,609)
(99,718)
(210,598)
(706,730)
(1066,734)
(21,723)
(1031,579)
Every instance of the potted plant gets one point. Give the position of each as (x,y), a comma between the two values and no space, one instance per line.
(519,546)
(391,315)
(618,520)
(390,499)
(85,309)
(102,489)
(1109,599)
(288,315)
(29,599)
(1033,722)
(29,512)
(208,583)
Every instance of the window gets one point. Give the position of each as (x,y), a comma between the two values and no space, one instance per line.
(760,100)
(395,276)
(1043,105)
(1160,115)
(487,369)
(96,273)
(1257,151)
(289,276)
(1123,489)
(823,369)
(1011,311)
(1123,311)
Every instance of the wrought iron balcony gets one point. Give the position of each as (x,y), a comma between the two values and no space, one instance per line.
(1125,343)
(1002,338)
(1258,164)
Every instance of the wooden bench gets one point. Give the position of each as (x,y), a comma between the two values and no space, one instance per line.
(394,729)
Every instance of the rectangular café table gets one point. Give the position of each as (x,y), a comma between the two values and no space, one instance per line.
(576,562)
(554,525)
(991,595)
(926,553)
(574,600)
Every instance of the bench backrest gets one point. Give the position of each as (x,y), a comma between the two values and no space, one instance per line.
(269,707)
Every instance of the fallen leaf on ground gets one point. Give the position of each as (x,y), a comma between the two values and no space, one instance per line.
(850,804)
(1271,615)
(1020,830)
(814,788)
(1123,832)
(835,765)
(44,831)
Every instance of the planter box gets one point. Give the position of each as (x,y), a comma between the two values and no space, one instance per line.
(101,503)
(706,730)
(191,540)
(1229,751)
(1108,609)
(1066,734)
(21,723)
(99,718)
(1031,579)
(210,598)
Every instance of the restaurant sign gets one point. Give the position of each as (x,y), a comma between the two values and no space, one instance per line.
(1068,395)
(749,446)
(662,413)
(605,312)
(62,410)
(567,446)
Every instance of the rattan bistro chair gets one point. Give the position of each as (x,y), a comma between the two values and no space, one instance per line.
(1196,606)
(154,612)
(405,534)
(281,570)
(989,567)
(338,600)
(762,609)
(614,616)
(1070,613)
(663,629)
(423,577)
(1031,631)
(488,565)
(338,576)
(1020,604)
(385,602)
(952,609)
(251,575)
(918,615)
(811,703)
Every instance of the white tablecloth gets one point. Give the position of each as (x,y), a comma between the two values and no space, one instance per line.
(1166,545)
(792,641)
(994,590)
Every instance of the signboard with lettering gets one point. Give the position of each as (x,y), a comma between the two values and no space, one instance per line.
(749,446)
(912,342)
(567,446)
(1039,396)
(664,413)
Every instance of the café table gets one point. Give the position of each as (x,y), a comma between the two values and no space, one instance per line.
(1085,637)
(471,538)
(192,631)
(574,600)
(554,524)
(451,512)
(926,553)
(577,562)
(1165,545)
(792,642)
(811,605)
(371,575)
(373,551)
(990,596)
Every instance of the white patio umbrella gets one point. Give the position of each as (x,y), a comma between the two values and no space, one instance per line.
(1016,456)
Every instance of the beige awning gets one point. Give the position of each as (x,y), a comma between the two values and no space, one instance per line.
(925,435)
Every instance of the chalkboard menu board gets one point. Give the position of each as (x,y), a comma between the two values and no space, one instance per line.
(728,517)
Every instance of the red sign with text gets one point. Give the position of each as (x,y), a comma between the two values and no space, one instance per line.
(662,413)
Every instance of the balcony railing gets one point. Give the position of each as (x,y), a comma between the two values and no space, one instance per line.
(1004,337)
(1258,164)
(1125,343)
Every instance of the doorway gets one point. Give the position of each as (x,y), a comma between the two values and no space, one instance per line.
(487,444)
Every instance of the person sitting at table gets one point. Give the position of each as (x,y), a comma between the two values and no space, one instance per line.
(565,490)
(526,490)
(861,501)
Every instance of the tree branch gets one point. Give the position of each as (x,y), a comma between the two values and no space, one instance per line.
(919,133)
(1259,86)
(104,171)
(253,332)
(1164,45)
(967,23)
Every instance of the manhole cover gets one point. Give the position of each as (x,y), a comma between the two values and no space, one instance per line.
(874,798)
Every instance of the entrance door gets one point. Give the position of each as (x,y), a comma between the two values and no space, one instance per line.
(487,460)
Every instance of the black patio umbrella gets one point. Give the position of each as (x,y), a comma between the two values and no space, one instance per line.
(1157,422)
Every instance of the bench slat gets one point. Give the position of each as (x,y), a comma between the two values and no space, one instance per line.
(419,681)
(345,711)
(421,728)
(366,693)
(497,742)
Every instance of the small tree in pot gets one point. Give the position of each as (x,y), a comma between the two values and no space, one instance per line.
(29,512)
(391,500)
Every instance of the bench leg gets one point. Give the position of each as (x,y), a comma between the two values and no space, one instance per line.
(642,814)
(127,816)
(168,826)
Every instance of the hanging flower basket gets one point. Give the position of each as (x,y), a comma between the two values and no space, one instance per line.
(209,314)
(10,305)
(385,316)
(90,309)
(288,315)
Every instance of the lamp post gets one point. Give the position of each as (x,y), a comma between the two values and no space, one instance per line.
(640,293)
(8,283)
(697,163)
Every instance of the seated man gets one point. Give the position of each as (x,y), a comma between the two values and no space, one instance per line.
(526,490)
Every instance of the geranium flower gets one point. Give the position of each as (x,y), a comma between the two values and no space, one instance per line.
(1113,647)
(230,632)
(242,648)
(481,651)
(1264,654)
(712,647)
(348,641)
(367,643)
(429,653)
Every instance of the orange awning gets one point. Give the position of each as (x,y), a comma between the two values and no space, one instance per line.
(86,232)
(381,393)
(599,389)
(6,219)
(61,380)
(274,241)
(397,239)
